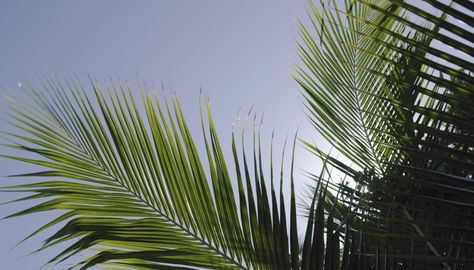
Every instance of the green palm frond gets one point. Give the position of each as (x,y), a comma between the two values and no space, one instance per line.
(135,191)
(398,105)
(341,58)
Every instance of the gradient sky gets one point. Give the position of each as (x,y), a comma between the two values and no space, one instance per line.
(240,53)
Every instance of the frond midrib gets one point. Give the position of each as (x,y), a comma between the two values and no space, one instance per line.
(361,115)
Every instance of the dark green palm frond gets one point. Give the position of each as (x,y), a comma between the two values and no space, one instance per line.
(383,87)
(134,189)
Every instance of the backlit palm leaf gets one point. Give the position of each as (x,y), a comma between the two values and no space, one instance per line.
(400,106)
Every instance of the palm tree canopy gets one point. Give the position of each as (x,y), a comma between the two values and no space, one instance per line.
(383,91)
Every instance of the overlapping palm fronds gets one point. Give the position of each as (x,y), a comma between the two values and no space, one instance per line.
(134,190)
(378,86)
(397,104)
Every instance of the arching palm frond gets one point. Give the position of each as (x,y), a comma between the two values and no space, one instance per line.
(384,87)
(134,190)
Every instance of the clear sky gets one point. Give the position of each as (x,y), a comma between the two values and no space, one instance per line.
(240,52)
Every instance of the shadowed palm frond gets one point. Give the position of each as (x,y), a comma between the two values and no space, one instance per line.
(384,88)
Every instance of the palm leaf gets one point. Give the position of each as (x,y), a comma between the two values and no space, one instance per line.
(133,188)
(398,106)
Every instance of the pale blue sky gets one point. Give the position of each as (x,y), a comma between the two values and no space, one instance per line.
(239,52)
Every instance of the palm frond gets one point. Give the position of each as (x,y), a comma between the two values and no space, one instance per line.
(397,104)
(134,189)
